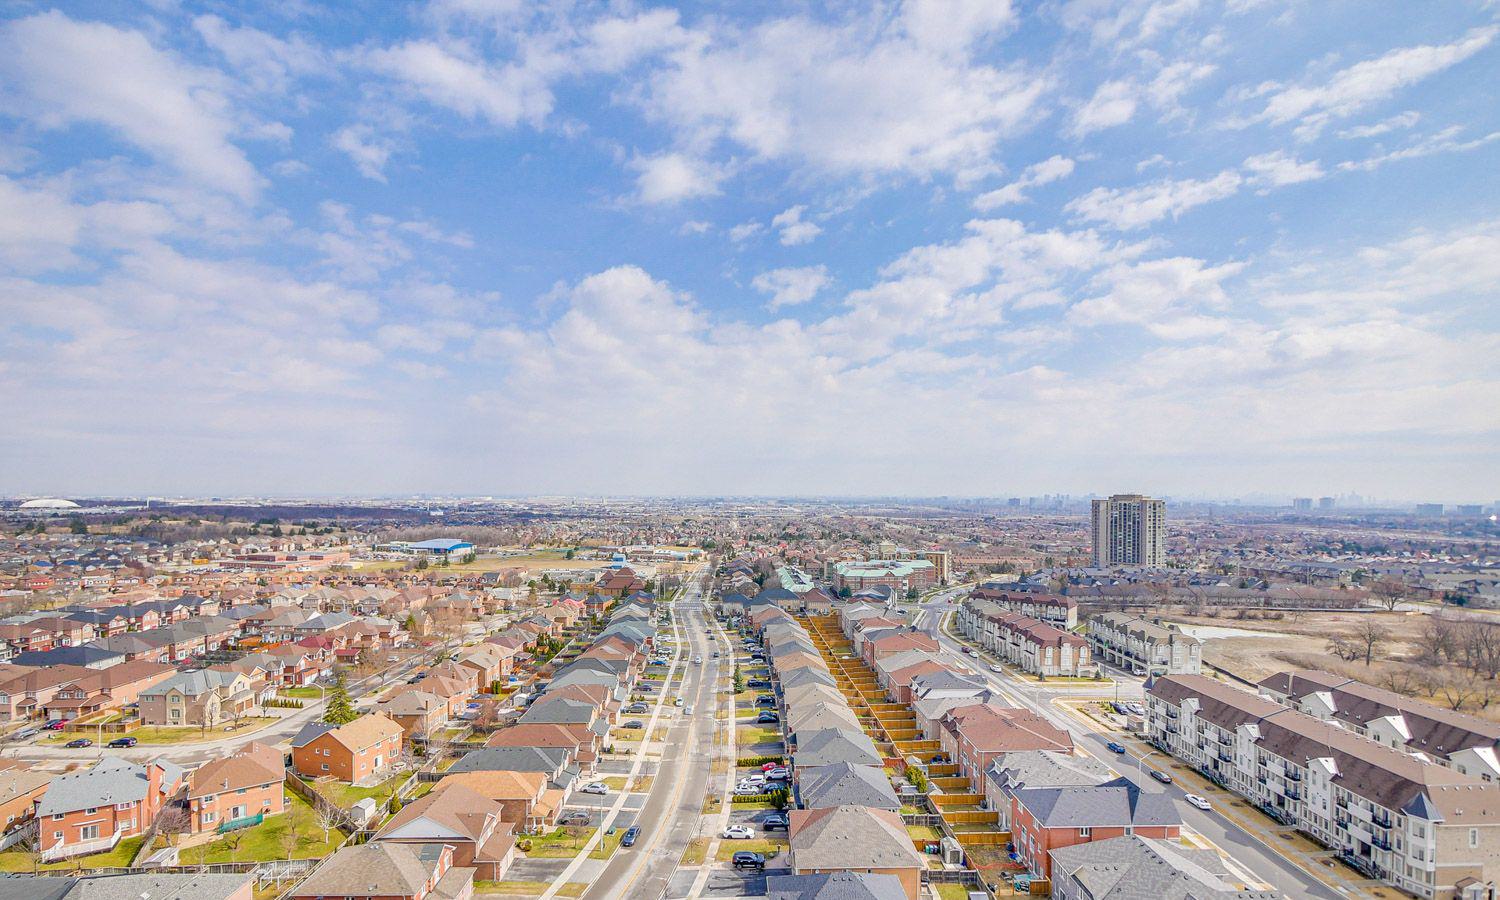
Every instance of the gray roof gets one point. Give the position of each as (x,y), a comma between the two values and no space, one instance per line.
(111,780)
(512,759)
(379,868)
(1047,768)
(835,745)
(1116,804)
(157,886)
(311,732)
(807,675)
(1136,868)
(835,886)
(844,784)
(192,684)
(560,711)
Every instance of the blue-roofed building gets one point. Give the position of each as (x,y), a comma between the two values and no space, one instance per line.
(437,547)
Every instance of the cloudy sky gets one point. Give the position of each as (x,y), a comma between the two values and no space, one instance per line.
(494,246)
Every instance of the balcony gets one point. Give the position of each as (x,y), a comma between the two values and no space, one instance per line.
(1226,756)
(80,848)
(1292,775)
(1293,794)
(1381,820)
(1380,843)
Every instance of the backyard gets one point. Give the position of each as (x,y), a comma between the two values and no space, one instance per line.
(18,860)
(272,839)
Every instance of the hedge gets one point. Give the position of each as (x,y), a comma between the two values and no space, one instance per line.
(753,798)
(746,761)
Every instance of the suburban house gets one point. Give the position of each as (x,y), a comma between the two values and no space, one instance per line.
(1048,819)
(91,810)
(973,736)
(106,689)
(357,752)
(203,698)
(20,788)
(835,886)
(238,789)
(854,839)
(389,870)
(456,816)
(1011,772)
(1124,868)
(526,798)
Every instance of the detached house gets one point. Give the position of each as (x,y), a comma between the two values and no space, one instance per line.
(238,789)
(455,816)
(203,698)
(90,811)
(356,752)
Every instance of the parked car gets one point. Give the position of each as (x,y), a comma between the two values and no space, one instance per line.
(576,818)
(26,733)
(634,724)
(766,717)
(738,833)
(758,683)
(781,772)
(120,743)
(1115,747)
(687,710)
(631,833)
(677,702)
(748,790)
(747,859)
(755,780)
(637,708)
(57,725)
(1161,776)
(758,655)
(1195,800)
(766,767)
(79,742)
(595,787)
(765,700)
(774,821)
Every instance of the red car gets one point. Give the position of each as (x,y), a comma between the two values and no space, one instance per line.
(57,725)
(766,767)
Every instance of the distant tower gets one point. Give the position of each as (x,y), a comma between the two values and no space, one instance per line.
(1130,530)
(1302,504)
(1327,503)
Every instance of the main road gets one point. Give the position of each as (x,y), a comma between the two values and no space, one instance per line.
(673,811)
(1250,851)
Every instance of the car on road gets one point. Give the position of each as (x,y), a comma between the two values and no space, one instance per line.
(972,652)
(576,818)
(687,710)
(120,743)
(79,742)
(631,833)
(1115,747)
(595,787)
(716,654)
(774,821)
(58,725)
(1195,800)
(634,724)
(698,660)
(747,859)
(1161,776)
(996,667)
(677,702)
(766,717)
(738,833)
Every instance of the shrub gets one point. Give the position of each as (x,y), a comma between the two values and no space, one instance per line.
(748,761)
(755,798)
(918,778)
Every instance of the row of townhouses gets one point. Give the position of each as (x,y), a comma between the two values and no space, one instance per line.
(1143,647)
(1029,644)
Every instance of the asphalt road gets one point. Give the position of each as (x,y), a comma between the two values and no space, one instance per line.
(671,816)
(1246,849)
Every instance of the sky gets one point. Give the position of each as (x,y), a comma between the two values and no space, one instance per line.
(956,247)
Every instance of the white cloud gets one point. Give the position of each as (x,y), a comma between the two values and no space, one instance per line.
(1278,168)
(1445,141)
(1399,121)
(1113,104)
(455,77)
(1354,88)
(745,231)
(270,64)
(795,231)
(790,287)
(1137,207)
(368,151)
(69,72)
(1047,171)
(1155,294)
(673,178)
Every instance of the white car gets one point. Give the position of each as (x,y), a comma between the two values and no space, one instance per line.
(595,787)
(738,832)
(698,660)
(996,667)
(752,781)
(1198,801)
(748,791)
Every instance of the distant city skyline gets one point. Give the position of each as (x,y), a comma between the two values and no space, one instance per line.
(973,248)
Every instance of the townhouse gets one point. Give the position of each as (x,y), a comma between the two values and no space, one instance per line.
(20,789)
(1027,643)
(854,839)
(1422,827)
(1143,647)
(105,689)
(1129,867)
(1044,819)
(974,736)
(1011,772)
(1054,609)
(1462,742)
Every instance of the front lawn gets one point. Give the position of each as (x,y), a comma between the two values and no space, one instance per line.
(268,840)
(752,734)
(564,843)
(305,692)
(608,844)
(527,888)
(769,846)
(159,735)
(16,860)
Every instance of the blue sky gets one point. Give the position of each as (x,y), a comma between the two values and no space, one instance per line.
(1180,246)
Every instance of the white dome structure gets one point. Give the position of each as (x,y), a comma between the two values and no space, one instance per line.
(49,503)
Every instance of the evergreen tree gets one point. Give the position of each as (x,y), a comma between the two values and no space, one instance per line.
(340,710)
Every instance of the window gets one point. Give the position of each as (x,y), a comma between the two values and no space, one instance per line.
(1084,832)
(325,767)
(88,833)
(57,835)
(208,817)
(91,810)
(1473,837)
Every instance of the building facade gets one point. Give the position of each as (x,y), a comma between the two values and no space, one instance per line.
(1130,530)
(1143,647)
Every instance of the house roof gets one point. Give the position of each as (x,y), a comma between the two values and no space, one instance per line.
(835,886)
(496,784)
(454,807)
(254,764)
(1115,804)
(1136,868)
(110,780)
(380,868)
(850,837)
(513,759)
(827,746)
(365,731)
(845,784)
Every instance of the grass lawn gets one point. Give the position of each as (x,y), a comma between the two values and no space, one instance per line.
(264,842)
(564,843)
(696,852)
(305,692)
(756,735)
(924,833)
(608,844)
(346,795)
(527,888)
(158,735)
(952,891)
(616,782)
(769,846)
(17,861)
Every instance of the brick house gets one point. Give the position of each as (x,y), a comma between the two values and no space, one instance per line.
(103,689)
(237,787)
(20,789)
(355,752)
(1047,819)
(974,736)
(389,870)
(203,698)
(92,810)
(458,817)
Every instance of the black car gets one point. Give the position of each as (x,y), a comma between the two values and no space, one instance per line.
(79,742)
(748,859)
(631,834)
(120,743)
(766,717)
(765,700)
(774,821)
(1161,776)
(758,683)
(634,723)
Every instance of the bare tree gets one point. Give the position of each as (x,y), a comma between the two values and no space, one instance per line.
(1388,593)
(1371,634)
(1456,689)
(1344,647)
(1436,639)
(173,819)
(328,817)
(1480,645)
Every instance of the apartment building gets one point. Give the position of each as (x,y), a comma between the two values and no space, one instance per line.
(1130,530)
(1054,609)
(1419,826)
(1466,743)
(1143,647)
(1029,644)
